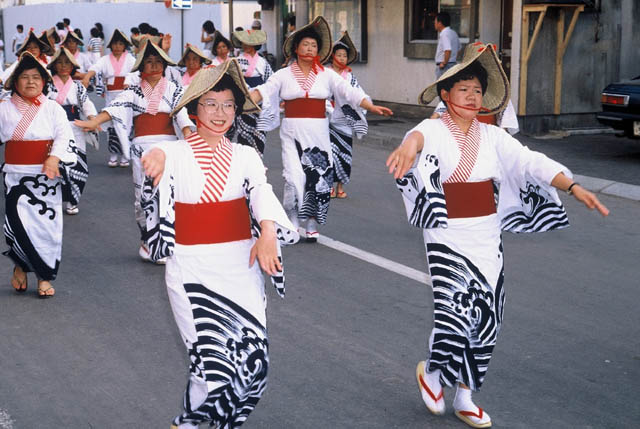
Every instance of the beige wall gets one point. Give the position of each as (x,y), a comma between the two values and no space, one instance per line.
(388,75)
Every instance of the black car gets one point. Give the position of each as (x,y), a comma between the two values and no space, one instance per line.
(621,107)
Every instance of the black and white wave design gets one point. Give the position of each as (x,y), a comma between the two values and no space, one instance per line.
(245,132)
(468,315)
(231,353)
(160,234)
(319,181)
(539,213)
(74,178)
(341,150)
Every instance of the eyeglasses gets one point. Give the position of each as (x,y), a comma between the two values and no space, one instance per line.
(212,106)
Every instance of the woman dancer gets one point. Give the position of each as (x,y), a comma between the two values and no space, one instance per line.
(343,120)
(193,60)
(304,86)
(39,142)
(221,49)
(209,194)
(112,70)
(72,96)
(144,112)
(463,168)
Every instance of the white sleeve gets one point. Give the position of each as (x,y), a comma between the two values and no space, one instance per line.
(445,41)
(182,119)
(341,89)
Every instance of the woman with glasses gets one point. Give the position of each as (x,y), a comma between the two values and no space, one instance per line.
(218,221)
(39,144)
(143,110)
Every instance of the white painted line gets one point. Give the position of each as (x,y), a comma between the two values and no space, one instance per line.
(371,258)
(6,422)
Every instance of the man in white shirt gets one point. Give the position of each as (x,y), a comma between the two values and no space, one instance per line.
(448,44)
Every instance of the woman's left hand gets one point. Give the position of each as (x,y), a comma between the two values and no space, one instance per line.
(589,199)
(266,250)
(50,167)
(380,110)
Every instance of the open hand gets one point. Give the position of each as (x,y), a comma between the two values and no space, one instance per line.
(266,250)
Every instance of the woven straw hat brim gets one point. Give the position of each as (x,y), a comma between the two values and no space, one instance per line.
(45,47)
(195,50)
(121,35)
(63,51)
(495,98)
(150,46)
(27,57)
(353,51)
(248,37)
(207,78)
(74,36)
(139,40)
(320,26)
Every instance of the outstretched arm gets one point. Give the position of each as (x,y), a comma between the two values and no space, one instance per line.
(587,198)
(403,157)
(94,123)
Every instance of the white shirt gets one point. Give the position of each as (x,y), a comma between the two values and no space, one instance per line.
(447,41)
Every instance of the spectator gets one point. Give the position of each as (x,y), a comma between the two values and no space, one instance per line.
(18,38)
(448,44)
(207,37)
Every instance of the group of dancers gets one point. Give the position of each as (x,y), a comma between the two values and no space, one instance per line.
(195,139)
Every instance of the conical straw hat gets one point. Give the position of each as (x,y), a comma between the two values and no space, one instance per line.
(207,78)
(45,47)
(320,26)
(119,35)
(74,36)
(195,50)
(346,42)
(30,59)
(248,37)
(496,97)
(150,46)
(63,51)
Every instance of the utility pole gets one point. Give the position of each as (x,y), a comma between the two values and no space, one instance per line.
(230,16)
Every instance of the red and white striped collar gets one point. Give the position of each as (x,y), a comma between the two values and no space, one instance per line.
(215,165)
(305,82)
(22,105)
(153,94)
(469,145)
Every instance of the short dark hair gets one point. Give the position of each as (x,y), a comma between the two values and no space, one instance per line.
(209,27)
(94,32)
(339,46)
(135,30)
(291,20)
(238,29)
(99,26)
(60,25)
(475,69)
(225,82)
(216,42)
(28,64)
(19,27)
(301,34)
(153,31)
(67,21)
(144,28)
(444,18)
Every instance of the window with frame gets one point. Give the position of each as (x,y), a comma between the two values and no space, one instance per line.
(344,15)
(421,37)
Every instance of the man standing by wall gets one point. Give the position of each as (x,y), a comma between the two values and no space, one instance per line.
(448,44)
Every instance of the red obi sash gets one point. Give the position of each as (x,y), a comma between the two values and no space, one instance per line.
(27,152)
(487,119)
(210,223)
(469,199)
(118,84)
(153,125)
(305,108)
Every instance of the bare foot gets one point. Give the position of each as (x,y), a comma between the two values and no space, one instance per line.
(19,279)
(45,289)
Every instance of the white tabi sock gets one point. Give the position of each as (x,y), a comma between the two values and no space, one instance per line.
(463,400)
(433,381)
(469,412)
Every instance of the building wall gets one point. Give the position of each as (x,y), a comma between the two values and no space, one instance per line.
(84,15)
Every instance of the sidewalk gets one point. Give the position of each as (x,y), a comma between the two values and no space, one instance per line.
(387,133)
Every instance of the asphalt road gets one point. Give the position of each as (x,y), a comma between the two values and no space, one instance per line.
(105,353)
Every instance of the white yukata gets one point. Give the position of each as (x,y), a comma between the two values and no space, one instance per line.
(108,69)
(218,301)
(172,73)
(251,129)
(33,202)
(130,105)
(344,122)
(306,147)
(73,98)
(464,253)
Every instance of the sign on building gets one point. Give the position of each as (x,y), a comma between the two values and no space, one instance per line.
(181,4)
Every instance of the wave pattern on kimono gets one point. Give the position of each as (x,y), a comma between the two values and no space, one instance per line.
(468,315)
(245,131)
(465,254)
(344,122)
(319,181)
(231,355)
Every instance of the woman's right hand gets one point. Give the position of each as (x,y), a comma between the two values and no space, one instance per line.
(403,157)
(89,125)
(153,164)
